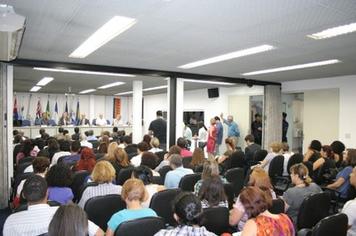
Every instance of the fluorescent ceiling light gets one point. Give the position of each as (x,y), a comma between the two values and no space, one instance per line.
(145,90)
(45,81)
(87,91)
(207,82)
(111,85)
(336,31)
(228,56)
(82,72)
(111,29)
(294,67)
(35,88)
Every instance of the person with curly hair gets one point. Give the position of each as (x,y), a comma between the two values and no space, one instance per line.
(59,178)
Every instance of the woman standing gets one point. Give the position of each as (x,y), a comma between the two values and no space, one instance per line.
(210,148)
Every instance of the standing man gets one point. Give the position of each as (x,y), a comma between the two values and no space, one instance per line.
(219,134)
(256,129)
(158,128)
(284,128)
(233,129)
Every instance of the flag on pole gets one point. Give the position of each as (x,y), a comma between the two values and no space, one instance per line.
(77,115)
(56,112)
(16,114)
(39,109)
(66,108)
(48,111)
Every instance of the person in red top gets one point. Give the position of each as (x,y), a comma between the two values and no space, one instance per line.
(87,160)
(210,147)
(182,143)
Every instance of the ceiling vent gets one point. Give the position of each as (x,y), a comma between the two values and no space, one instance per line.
(12,27)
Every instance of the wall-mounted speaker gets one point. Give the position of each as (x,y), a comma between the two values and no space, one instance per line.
(213,92)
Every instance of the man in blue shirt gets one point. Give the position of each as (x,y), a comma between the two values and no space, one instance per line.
(233,129)
(174,176)
(219,134)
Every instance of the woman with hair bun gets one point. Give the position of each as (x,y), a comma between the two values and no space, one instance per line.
(304,187)
(186,211)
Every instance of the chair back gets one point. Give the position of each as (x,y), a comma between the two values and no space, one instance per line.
(26,159)
(215,219)
(259,155)
(187,182)
(229,192)
(78,180)
(332,225)
(314,208)
(276,166)
(149,225)
(157,180)
(277,206)
(85,186)
(124,175)
(163,172)
(100,209)
(237,159)
(161,203)
(294,159)
(236,176)
(186,162)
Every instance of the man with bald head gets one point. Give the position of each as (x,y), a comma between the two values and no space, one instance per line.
(233,129)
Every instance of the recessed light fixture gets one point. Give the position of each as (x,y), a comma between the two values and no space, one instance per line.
(35,88)
(124,93)
(44,81)
(82,72)
(111,85)
(333,32)
(294,67)
(228,56)
(207,82)
(111,29)
(87,91)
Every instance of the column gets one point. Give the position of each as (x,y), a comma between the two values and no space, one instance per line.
(272,115)
(137,112)
(6,156)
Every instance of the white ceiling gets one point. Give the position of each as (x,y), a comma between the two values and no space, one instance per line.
(170,33)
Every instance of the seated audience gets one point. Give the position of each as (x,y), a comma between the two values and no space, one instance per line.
(150,160)
(155,145)
(325,168)
(59,179)
(147,138)
(141,147)
(261,221)
(210,169)
(172,150)
(64,147)
(44,135)
(342,183)
(313,152)
(103,174)
(174,176)
(250,149)
(276,149)
(286,154)
(52,147)
(117,157)
(69,220)
(303,187)
(75,153)
(143,173)
(258,178)
(198,160)
(84,142)
(350,207)
(134,194)
(187,209)
(115,135)
(338,149)
(36,219)
(87,160)
(27,150)
(59,135)
(90,135)
(212,193)
(182,143)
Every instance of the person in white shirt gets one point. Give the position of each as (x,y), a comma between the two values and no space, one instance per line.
(117,121)
(202,135)
(101,121)
(36,219)
(350,207)
(155,145)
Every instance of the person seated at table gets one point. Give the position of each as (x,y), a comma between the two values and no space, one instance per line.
(45,119)
(64,120)
(117,121)
(101,121)
(83,120)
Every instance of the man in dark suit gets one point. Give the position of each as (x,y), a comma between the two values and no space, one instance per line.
(83,120)
(251,149)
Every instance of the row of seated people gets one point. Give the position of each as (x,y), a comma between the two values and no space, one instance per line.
(301,177)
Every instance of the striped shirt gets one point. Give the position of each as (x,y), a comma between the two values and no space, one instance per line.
(185,231)
(100,190)
(34,221)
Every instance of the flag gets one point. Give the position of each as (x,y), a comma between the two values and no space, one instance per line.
(66,108)
(16,114)
(39,109)
(56,112)
(48,111)
(77,118)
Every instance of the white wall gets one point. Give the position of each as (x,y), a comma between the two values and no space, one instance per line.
(347,97)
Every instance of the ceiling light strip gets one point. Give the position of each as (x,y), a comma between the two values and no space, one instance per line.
(87,91)
(333,32)
(35,88)
(111,85)
(228,56)
(82,72)
(44,81)
(294,67)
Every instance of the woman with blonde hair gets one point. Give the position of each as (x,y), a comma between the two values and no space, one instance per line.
(155,145)
(276,148)
(304,187)
(118,159)
(134,194)
(103,174)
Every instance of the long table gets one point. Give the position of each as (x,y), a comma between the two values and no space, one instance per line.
(33,131)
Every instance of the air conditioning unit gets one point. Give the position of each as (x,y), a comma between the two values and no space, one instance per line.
(12,27)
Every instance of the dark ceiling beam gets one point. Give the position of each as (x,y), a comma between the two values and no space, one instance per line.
(137,71)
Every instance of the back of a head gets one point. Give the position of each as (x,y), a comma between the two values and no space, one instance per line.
(260,178)
(75,146)
(284,115)
(60,130)
(255,201)
(35,189)
(59,175)
(127,139)
(250,138)
(276,147)
(188,208)
(40,164)
(103,172)
(115,129)
(143,146)
(212,190)
(143,173)
(337,147)
(315,145)
(210,168)
(64,145)
(181,142)
(174,150)
(302,172)
(154,142)
(76,130)
(134,190)
(69,220)
(149,159)
(159,113)
(176,160)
